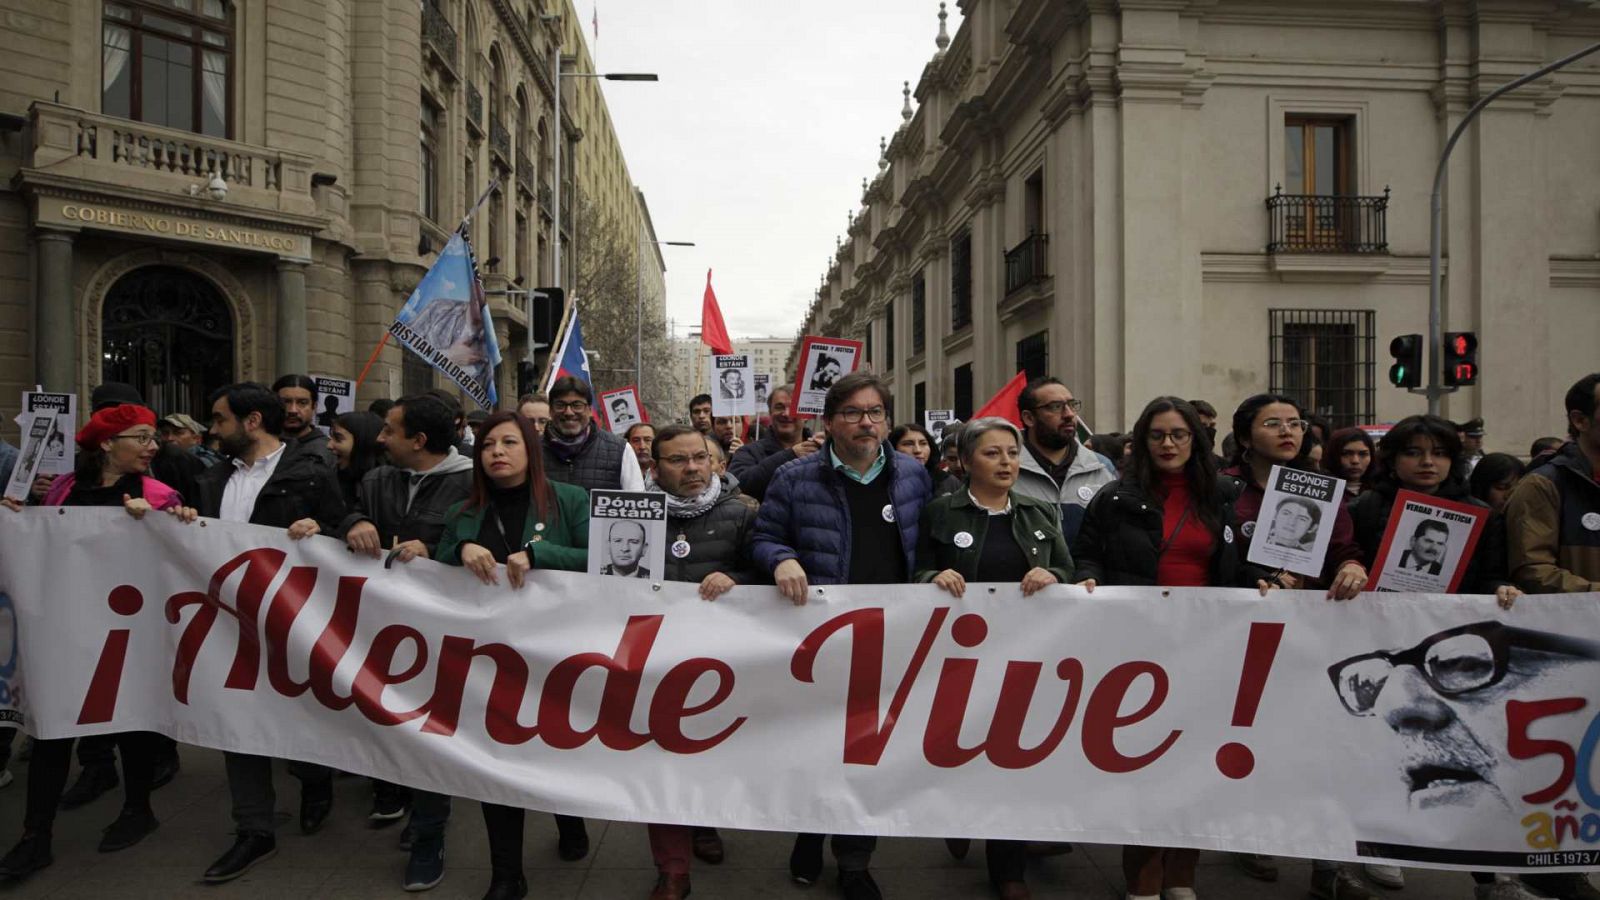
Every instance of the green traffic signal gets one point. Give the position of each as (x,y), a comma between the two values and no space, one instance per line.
(1407,369)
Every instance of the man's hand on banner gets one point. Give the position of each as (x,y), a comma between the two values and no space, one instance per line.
(480,562)
(1036,579)
(303,529)
(790,577)
(1348,582)
(952,583)
(363,538)
(715,585)
(406,551)
(1088,585)
(517,565)
(1506,595)
(136,506)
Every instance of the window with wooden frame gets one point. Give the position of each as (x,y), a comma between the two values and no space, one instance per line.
(1317,156)
(169,63)
(428,190)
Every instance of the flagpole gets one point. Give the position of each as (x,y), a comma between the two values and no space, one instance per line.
(556,348)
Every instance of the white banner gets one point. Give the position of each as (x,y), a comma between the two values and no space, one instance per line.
(1449,734)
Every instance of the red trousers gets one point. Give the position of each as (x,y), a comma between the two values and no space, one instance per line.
(672,846)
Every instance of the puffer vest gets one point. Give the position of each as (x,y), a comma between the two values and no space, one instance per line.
(598,466)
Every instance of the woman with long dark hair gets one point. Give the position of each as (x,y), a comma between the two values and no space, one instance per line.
(1493,478)
(1351,455)
(517,518)
(916,442)
(353,438)
(1169,521)
(114,452)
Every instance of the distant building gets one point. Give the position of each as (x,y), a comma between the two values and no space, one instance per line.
(692,359)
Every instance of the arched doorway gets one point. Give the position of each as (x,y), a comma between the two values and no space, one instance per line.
(167,332)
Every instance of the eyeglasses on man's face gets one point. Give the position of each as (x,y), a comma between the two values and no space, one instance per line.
(853,416)
(569,405)
(1453,662)
(679,460)
(1057,407)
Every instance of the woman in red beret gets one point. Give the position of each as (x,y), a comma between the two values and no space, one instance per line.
(114,453)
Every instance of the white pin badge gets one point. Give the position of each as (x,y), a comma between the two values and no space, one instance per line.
(1248,529)
(963,539)
(680,548)
(538,526)
(888,512)
(1085,492)
(1227,533)
(1038,535)
(1591,521)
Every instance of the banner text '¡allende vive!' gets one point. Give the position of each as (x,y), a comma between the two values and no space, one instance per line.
(867,727)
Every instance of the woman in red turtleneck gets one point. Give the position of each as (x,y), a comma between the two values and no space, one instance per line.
(1167,522)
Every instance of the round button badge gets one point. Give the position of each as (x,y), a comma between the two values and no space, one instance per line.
(1086,492)
(680,549)
(888,512)
(963,539)
(1591,521)
(1247,529)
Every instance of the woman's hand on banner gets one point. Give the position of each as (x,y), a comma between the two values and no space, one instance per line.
(136,506)
(363,538)
(480,562)
(1506,595)
(952,582)
(184,514)
(715,585)
(1348,582)
(517,565)
(790,577)
(406,551)
(1037,578)
(1087,584)
(13,505)
(1264,585)
(304,528)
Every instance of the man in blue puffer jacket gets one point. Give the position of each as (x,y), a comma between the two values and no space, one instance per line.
(830,518)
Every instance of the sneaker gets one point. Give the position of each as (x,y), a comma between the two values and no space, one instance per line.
(408,836)
(131,827)
(1178,893)
(805,860)
(31,854)
(1504,890)
(1562,885)
(92,782)
(425,868)
(857,884)
(1391,877)
(389,804)
(1337,884)
(6,777)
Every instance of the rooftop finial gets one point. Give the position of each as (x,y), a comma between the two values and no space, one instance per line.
(883,153)
(943,40)
(863,184)
(905,111)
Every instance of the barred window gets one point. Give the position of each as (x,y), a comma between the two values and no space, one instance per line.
(1033,355)
(961,280)
(919,315)
(888,336)
(1324,360)
(919,394)
(963,392)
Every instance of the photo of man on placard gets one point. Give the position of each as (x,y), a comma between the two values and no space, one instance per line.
(622,412)
(1294,524)
(1429,543)
(626,546)
(825,372)
(731,384)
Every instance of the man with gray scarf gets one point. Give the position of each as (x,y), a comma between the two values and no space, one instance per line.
(578,451)
(708,530)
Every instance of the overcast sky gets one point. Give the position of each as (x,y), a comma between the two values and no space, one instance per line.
(754,143)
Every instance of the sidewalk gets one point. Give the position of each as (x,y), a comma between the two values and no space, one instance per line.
(349,860)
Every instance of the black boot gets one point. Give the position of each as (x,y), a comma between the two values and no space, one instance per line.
(572,844)
(133,826)
(92,782)
(31,854)
(251,848)
(507,887)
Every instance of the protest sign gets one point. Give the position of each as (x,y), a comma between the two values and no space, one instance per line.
(1296,521)
(335,397)
(627,533)
(622,409)
(1285,727)
(936,421)
(42,430)
(731,385)
(823,360)
(1427,544)
(763,383)
(60,452)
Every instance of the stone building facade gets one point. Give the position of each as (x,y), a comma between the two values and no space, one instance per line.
(194,192)
(1214,198)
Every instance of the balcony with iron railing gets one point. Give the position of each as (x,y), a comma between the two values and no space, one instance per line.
(1319,223)
(500,140)
(544,200)
(474,108)
(1026,263)
(92,150)
(524,173)
(439,36)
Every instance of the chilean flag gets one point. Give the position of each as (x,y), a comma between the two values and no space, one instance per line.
(570,358)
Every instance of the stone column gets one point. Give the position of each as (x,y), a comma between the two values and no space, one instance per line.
(290,345)
(56,346)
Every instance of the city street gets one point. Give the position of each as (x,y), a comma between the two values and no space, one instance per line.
(349,860)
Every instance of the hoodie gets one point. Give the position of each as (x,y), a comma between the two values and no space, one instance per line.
(407,505)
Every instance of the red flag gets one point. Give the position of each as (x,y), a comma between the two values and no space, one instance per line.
(1004,404)
(712,331)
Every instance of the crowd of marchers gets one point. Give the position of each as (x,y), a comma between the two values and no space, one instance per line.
(776,502)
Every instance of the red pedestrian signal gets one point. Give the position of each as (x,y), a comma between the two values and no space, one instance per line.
(1460,358)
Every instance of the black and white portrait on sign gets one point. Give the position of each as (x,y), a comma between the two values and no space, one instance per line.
(1427,544)
(731,377)
(1295,525)
(335,397)
(824,361)
(627,533)
(60,452)
(622,409)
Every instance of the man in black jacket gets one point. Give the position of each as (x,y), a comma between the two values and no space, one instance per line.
(298,393)
(709,532)
(266,481)
(755,463)
(401,509)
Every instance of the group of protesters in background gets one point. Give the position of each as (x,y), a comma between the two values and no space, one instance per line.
(851,498)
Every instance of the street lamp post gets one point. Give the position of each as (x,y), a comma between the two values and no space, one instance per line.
(638,321)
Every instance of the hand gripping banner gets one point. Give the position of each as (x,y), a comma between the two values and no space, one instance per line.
(1429,730)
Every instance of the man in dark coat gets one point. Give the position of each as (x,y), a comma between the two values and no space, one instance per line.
(580,452)
(785,441)
(832,518)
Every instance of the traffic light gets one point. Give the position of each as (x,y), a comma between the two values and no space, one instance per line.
(549,303)
(1460,358)
(1407,369)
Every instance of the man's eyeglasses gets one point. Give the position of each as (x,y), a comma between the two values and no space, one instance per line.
(853,416)
(1180,437)
(569,405)
(1056,407)
(143,439)
(1296,425)
(679,461)
(1453,662)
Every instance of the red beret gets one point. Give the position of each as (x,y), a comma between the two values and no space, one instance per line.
(112,421)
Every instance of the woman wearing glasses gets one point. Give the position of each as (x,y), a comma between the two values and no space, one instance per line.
(517,518)
(986,532)
(114,453)
(1169,522)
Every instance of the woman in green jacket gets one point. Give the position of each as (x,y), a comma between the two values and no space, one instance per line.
(518,518)
(985,532)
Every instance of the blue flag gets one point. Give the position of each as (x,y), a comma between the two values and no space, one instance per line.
(446,322)
(570,358)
